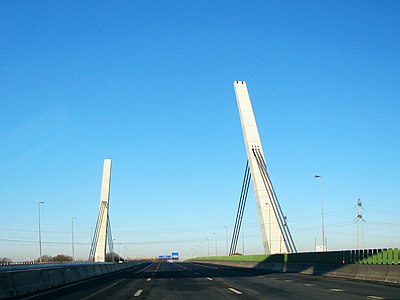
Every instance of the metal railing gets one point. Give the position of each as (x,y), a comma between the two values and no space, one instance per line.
(384,256)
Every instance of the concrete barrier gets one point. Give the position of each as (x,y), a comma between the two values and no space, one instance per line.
(393,275)
(23,282)
(71,274)
(345,271)
(372,272)
(381,273)
(6,286)
(98,269)
(27,281)
(52,278)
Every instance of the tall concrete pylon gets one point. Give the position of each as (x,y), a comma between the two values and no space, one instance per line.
(102,227)
(271,223)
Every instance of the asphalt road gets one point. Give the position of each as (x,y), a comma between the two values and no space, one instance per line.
(197,281)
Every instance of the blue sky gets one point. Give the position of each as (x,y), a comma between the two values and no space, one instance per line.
(150,85)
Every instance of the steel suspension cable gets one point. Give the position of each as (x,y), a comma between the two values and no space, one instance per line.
(276,206)
(242,203)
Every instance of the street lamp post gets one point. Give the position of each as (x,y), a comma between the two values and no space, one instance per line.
(322,212)
(73,246)
(40,234)
(208,247)
(226,236)
(215,244)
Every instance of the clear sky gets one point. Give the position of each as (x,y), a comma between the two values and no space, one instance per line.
(149,84)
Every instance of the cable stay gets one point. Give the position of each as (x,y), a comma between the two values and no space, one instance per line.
(240,211)
(282,222)
(110,239)
(96,231)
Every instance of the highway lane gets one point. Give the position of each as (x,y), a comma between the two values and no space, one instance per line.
(198,281)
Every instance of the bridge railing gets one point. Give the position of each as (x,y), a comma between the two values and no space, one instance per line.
(385,256)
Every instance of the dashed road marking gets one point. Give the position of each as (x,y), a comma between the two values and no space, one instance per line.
(375,297)
(309,284)
(137,294)
(208,278)
(336,290)
(273,278)
(103,289)
(235,291)
(288,280)
(144,269)
(148,279)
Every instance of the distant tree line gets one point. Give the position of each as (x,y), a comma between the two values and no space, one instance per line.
(57,258)
(113,257)
(110,257)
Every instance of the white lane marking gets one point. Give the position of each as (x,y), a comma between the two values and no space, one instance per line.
(205,266)
(309,284)
(144,269)
(273,278)
(197,273)
(336,290)
(148,279)
(235,291)
(102,290)
(375,297)
(208,278)
(137,294)
(288,280)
